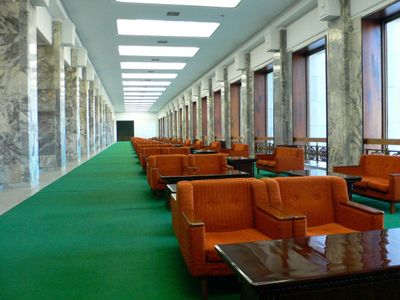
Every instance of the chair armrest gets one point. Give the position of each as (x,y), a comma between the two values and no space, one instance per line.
(351,170)
(358,217)
(265,156)
(274,222)
(394,186)
(191,219)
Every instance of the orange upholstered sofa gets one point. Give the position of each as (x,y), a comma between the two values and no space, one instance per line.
(380,177)
(283,159)
(197,144)
(208,164)
(324,202)
(146,152)
(210,212)
(173,164)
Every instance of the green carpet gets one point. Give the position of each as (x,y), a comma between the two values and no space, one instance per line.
(96,233)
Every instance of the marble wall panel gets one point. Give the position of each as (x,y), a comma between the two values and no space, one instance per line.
(92,130)
(247,105)
(225,110)
(344,80)
(283,131)
(51,103)
(210,118)
(72,111)
(84,117)
(97,120)
(18,94)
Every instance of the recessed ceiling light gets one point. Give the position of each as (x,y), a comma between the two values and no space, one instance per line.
(148,76)
(162,42)
(143,89)
(173,14)
(141,97)
(162,51)
(212,3)
(146,83)
(166,28)
(139,102)
(152,65)
(142,94)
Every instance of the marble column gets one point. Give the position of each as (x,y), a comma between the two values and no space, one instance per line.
(51,103)
(247,105)
(189,106)
(72,108)
(19,158)
(200,118)
(225,109)
(344,83)
(92,129)
(183,129)
(283,132)
(97,119)
(210,115)
(84,114)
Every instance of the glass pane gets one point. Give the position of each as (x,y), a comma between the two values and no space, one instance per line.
(316,95)
(393,82)
(270,104)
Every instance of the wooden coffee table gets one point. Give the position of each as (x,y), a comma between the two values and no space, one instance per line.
(363,265)
(242,163)
(350,179)
(228,174)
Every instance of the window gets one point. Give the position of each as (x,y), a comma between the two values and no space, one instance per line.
(270,104)
(316,89)
(392,80)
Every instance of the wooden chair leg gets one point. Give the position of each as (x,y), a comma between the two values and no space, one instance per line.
(392,207)
(204,288)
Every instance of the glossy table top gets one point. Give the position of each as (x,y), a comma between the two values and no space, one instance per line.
(227,174)
(319,172)
(296,260)
(240,158)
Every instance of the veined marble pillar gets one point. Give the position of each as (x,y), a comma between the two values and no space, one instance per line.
(97,119)
(19,158)
(92,129)
(283,131)
(210,116)
(344,89)
(189,106)
(199,118)
(247,105)
(84,115)
(72,107)
(226,110)
(51,103)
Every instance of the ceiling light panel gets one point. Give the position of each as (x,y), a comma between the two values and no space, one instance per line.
(166,28)
(211,3)
(152,66)
(146,83)
(143,89)
(141,97)
(159,51)
(142,94)
(148,76)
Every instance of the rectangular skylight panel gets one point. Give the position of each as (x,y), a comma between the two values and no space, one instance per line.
(211,3)
(160,51)
(141,97)
(142,94)
(146,83)
(166,28)
(152,66)
(144,89)
(149,76)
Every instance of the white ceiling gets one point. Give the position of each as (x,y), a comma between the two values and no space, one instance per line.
(95,22)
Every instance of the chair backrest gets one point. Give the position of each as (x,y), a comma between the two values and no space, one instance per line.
(240,150)
(314,196)
(223,205)
(151,151)
(216,146)
(288,151)
(171,164)
(380,165)
(208,163)
(179,150)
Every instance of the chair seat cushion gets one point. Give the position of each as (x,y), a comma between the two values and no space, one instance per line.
(375,183)
(229,237)
(329,228)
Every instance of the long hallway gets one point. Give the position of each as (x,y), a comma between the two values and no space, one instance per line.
(96,233)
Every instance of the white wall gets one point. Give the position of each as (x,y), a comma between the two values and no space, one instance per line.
(233,74)
(146,124)
(259,57)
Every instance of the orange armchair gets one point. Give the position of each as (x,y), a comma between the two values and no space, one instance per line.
(208,164)
(214,146)
(283,159)
(380,177)
(172,164)
(239,150)
(197,144)
(146,152)
(324,202)
(210,212)
(187,143)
